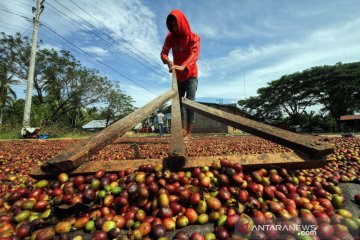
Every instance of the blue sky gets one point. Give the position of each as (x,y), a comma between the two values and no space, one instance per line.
(244,44)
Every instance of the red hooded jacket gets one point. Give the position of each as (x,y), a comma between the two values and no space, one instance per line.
(185,47)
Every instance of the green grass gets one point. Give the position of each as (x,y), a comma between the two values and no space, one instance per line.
(17,136)
(10,135)
(8,132)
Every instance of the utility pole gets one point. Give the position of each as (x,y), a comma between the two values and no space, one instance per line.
(28,99)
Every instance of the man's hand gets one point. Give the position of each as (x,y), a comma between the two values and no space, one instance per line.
(170,65)
(179,68)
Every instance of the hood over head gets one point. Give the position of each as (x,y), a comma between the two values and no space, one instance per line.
(182,23)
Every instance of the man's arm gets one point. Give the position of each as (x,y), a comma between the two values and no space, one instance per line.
(195,50)
(165,52)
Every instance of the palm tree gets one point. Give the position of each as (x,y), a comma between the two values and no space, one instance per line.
(7,94)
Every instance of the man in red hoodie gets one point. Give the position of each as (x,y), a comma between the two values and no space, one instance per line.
(185,47)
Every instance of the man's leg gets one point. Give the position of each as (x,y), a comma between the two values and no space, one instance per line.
(189,127)
(161,129)
(183,127)
(181,90)
(191,88)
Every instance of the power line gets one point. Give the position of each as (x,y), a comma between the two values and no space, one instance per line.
(156,64)
(101,62)
(121,39)
(27,29)
(150,68)
(75,48)
(106,34)
(26,18)
(101,38)
(54,32)
(23,3)
(12,25)
(90,60)
(20,5)
(22,16)
(81,25)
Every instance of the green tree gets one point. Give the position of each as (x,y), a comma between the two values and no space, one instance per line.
(9,48)
(334,88)
(117,105)
(64,89)
(15,54)
(13,112)
(289,95)
(292,94)
(320,119)
(73,91)
(7,94)
(261,109)
(338,88)
(50,67)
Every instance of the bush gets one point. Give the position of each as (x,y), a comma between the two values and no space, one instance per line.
(9,131)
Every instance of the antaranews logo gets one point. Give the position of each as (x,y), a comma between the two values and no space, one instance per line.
(278,229)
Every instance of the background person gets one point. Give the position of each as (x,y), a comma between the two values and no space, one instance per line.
(160,117)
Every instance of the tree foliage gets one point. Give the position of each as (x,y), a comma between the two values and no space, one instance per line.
(339,88)
(117,105)
(63,88)
(335,89)
(9,47)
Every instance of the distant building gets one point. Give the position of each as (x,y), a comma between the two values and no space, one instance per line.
(206,125)
(137,127)
(94,125)
(350,118)
(350,123)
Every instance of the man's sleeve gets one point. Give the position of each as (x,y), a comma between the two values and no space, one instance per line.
(195,50)
(166,48)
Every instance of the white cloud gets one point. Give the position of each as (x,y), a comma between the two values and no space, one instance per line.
(255,41)
(141,95)
(96,50)
(261,64)
(206,30)
(50,46)
(204,69)
(132,25)
(11,19)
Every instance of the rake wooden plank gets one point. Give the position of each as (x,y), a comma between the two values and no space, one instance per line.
(288,160)
(177,146)
(80,152)
(289,139)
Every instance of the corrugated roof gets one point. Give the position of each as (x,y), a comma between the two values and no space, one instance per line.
(349,117)
(138,126)
(95,124)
